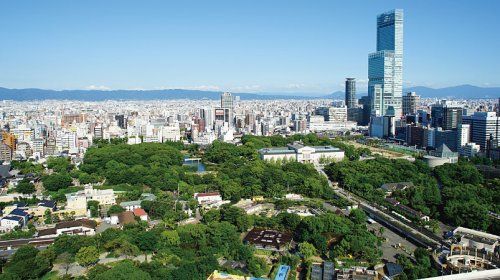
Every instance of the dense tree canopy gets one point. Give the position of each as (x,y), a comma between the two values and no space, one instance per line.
(57,181)
(27,263)
(143,164)
(464,199)
(25,187)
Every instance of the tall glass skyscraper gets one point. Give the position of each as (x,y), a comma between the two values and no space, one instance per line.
(350,93)
(385,66)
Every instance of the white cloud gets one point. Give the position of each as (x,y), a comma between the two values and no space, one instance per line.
(94,87)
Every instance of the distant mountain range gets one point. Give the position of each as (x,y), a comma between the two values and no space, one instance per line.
(463,91)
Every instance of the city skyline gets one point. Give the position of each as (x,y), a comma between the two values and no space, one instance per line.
(295,48)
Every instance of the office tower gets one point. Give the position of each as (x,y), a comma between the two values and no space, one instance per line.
(410,103)
(483,126)
(350,93)
(227,103)
(365,101)
(446,116)
(226,100)
(385,66)
(355,115)
(121,121)
(382,127)
(464,134)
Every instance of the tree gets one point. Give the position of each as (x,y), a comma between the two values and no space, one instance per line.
(93,206)
(56,181)
(87,256)
(65,259)
(146,241)
(59,164)
(122,271)
(115,209)
(170,238)
(307,250)
(121,246)
(47,217)
(25,187)
(26,263)
(212,215)
(357,216)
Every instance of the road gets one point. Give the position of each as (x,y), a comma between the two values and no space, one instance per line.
(419,236)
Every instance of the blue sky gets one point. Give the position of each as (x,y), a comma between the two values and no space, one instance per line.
(241,46)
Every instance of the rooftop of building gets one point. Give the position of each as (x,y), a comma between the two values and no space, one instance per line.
(268,237)
(476,235)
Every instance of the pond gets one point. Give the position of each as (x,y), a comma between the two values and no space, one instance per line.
(195,162)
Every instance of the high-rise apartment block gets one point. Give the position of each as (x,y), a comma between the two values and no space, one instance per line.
(350,93)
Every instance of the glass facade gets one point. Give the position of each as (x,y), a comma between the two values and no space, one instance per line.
(385,67)
(350,93)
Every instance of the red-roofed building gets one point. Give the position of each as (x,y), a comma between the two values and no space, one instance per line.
(139,212)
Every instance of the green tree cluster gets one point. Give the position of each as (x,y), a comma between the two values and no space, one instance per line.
(149,164)
(25,187)
(28,263)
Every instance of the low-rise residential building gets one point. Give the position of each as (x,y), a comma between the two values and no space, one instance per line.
(141,214)
(77,227)
(123,218)
(20,213)
(208,198)
(42,207)
(9,223)
(131,205)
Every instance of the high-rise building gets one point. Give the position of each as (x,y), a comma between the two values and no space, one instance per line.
(410,103)
(483,126)
(226,100)
(334,114)
(446,116)
(350,93)
(464,134)
(227,103)
(385,66)
(365,102)
(121,121)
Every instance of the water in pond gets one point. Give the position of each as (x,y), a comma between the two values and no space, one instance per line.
(200,167)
